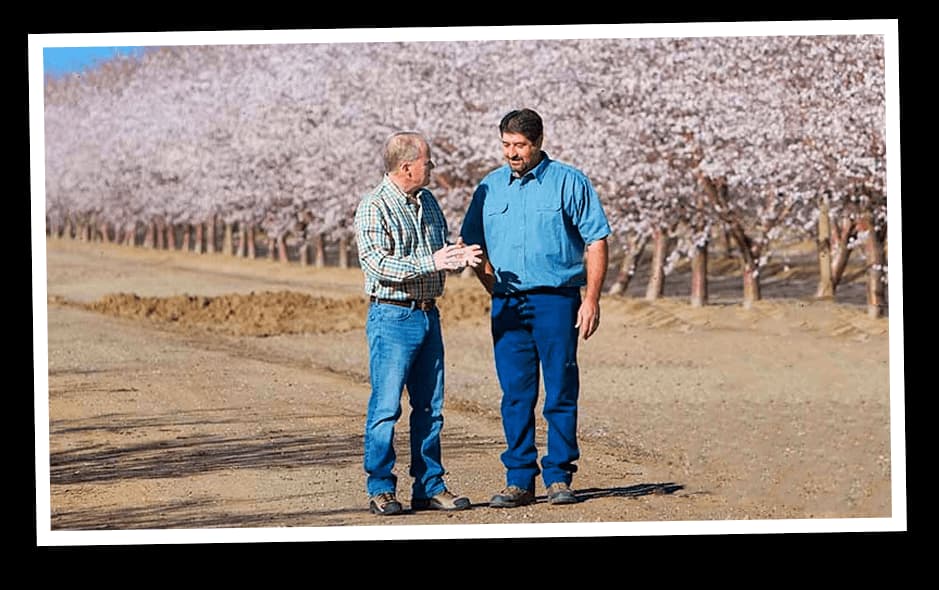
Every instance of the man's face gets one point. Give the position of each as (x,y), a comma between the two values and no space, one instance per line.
(419,169)
(521,154)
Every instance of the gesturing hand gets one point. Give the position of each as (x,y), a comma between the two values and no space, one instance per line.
(472,255)
(449,257)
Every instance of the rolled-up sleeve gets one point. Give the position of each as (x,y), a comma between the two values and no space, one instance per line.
(588,214)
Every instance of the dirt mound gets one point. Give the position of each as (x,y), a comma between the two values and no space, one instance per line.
(270,313)
(266,313)
(252,314)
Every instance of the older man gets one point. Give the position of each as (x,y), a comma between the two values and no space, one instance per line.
(402,236)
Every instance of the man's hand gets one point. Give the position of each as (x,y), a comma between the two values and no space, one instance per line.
(472,255)
(588,318)
(450,257)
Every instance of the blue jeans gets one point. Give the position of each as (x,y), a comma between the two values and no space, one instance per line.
(535,332)
(405,350)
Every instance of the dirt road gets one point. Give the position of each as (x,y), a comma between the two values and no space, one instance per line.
(210,397)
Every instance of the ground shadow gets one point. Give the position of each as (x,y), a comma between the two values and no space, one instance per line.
(642,489)
(193,514)
(586,494)
(176,455)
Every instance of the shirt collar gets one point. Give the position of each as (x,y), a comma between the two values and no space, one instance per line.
(537,172)
(400,193)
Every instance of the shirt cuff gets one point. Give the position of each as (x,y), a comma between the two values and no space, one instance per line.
(426,264)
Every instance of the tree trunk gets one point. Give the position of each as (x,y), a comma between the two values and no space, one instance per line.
(242,240)
(304,251)
(171,236)
(627,268)
(656,286)
(699,276)
(105,232)
(874,251)
(130,236)
(210,230)
(227,239)
(751,283)
(839,261)
(343,251)
(319,251)
(187,237)
(826,287)
(198,245)
(252,247)
(160,235)
(149,239)
(282,248)
(716,193)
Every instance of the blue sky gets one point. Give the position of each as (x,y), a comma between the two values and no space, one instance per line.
(64,60)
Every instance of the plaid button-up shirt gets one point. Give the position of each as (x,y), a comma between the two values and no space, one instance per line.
(397,237)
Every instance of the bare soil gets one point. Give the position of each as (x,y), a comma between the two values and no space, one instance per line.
(195,392)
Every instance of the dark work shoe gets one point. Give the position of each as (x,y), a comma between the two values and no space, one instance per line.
(445,500)
(384,504)
(511,497)
(561,493)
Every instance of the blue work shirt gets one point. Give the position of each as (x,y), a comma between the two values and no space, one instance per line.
(534,229)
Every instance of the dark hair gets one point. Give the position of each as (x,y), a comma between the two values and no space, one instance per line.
(524,121)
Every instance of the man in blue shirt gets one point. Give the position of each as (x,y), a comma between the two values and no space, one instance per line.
(535,219)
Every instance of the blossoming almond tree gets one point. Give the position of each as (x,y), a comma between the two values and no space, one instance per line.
(681,137)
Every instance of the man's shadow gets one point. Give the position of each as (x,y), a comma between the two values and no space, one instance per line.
(635,491)
(642,489)
(587,494)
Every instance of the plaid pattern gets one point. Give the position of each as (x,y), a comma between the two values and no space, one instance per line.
(396,238)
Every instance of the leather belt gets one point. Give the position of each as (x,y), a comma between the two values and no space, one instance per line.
(421,304)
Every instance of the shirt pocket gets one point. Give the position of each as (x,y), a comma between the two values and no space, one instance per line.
(495,207)
(497,222)
(552,204)
(550,240)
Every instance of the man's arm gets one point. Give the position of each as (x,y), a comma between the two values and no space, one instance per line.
(375,251)
(588,316)
(472,233)
(485,274)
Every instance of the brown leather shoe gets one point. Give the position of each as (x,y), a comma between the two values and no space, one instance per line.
(384,504)
(561,493)
(511,497)
(445,500)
